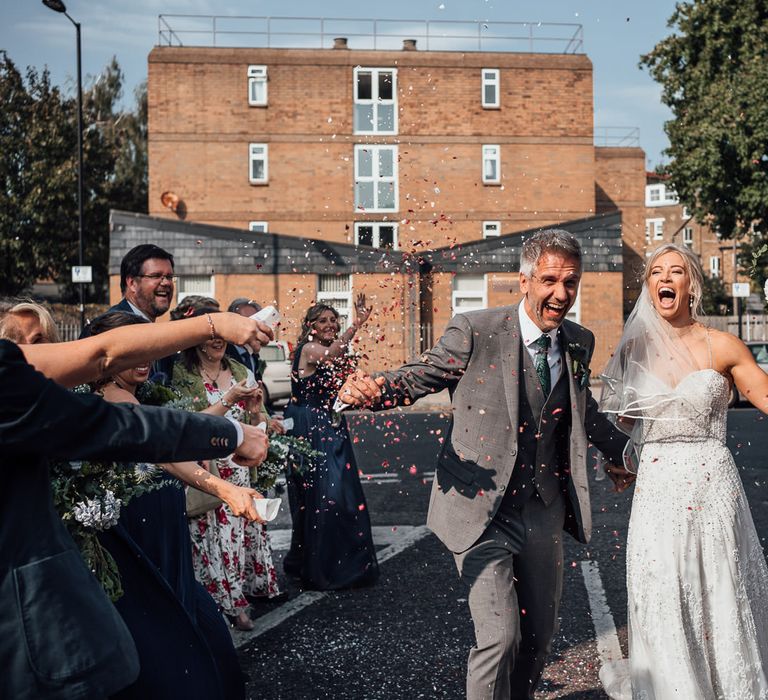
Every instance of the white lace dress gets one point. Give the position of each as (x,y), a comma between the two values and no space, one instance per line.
(696,574)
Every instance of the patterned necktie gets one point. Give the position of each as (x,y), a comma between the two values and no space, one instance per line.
(541,363)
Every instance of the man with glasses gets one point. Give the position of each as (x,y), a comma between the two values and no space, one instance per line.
(147,283)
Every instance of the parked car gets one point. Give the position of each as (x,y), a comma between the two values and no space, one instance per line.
(277,371)
(759,349)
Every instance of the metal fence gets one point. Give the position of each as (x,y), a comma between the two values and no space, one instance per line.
(617,136)
(385,34)
(68,331)
(753,326)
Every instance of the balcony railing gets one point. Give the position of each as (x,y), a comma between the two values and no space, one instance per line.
(382,34)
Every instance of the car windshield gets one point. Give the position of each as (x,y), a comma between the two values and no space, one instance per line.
(760,352)
(272,353)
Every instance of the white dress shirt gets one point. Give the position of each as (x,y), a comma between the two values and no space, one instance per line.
(530,333)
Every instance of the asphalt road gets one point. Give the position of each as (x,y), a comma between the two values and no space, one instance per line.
(409,635)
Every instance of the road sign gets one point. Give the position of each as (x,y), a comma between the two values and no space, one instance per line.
(82,274)
(740,289)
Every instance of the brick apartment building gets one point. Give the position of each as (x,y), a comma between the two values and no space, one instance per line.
(410,152)
(667,220)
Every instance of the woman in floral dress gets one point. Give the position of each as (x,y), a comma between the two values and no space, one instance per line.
(232,558)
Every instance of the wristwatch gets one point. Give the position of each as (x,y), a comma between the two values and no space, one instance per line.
(225,403)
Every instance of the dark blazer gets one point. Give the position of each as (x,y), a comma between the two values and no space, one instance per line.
(478,360)
(60,637)
(122,305)
(251,361)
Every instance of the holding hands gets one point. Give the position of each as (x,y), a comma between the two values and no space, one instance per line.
(360,389)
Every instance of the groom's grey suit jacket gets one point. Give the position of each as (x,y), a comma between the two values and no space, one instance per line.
(478,360)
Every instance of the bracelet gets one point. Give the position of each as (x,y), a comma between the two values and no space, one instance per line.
(225,403)
(213,328)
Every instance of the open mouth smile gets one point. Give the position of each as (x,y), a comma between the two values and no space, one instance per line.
(667,297)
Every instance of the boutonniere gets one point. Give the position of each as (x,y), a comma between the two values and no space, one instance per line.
(579,369)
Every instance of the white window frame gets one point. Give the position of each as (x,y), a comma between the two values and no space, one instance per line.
(714,266)
(688,236)
(257,76)
(574,313)
(258,226)
(491,229)
(197,285)
(490,77)
(686,213)
(376,178)
(253,155)
(375,101)
(481,295)
(376,225)
(334,296)
(491,154)
(656,227)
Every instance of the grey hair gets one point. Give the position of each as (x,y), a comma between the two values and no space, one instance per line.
(692,266)
(549,240)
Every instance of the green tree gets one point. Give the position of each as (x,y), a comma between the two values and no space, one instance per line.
(38,203)
(715,299)
(714,73)
(38,174)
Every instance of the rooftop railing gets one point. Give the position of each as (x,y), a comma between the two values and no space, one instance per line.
(617,136)
(380,34)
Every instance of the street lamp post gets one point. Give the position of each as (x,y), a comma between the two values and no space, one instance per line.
(58,6)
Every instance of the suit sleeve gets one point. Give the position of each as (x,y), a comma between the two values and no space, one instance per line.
(601,432)
(437,369)
(37,416)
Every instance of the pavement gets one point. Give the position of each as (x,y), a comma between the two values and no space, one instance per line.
(408,636)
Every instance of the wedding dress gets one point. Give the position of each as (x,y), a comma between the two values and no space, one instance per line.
(696,573)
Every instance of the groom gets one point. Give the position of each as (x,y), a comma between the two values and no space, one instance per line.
(512,473)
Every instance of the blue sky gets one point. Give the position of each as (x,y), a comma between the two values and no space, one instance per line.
(616,33)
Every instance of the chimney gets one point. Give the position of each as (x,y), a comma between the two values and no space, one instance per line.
(409,44)
(340,42)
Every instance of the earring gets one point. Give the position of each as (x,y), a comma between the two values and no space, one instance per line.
(691,299)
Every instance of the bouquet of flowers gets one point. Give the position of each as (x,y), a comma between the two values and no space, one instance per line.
(88,496)
(285,452)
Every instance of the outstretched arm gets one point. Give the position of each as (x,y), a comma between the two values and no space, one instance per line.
(437,369)
(747,375)
(108,353)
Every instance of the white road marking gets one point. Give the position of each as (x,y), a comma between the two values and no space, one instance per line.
(403,537)
(608,647)
(383,536)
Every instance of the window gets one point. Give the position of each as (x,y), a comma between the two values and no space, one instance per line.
(377,235)
(714,266)
(336,291)
(375,101)
(686,213)
(660,196)
(490,87)
(376,178)
(491,229)
(257,86)
(258,226)
(258,167)
(655,227)
(491,165)
(688,235)
(574,313)
(654,194)
(194,284)
(469,293)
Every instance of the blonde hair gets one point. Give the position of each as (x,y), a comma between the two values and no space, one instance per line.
(9,329)
(692,266)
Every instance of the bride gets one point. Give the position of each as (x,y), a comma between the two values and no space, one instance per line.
(697,579)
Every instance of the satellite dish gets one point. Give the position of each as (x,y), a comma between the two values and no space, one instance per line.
(170,200)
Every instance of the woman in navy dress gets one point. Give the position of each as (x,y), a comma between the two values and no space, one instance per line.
(185,649)
(331,541)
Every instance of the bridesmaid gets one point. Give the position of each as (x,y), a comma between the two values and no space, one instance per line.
(331,542)
(170,616)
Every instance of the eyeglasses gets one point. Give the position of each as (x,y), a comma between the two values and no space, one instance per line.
(157,277)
